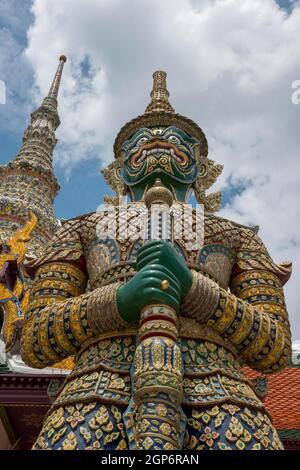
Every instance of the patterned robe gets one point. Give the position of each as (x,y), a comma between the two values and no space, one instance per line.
(72,311)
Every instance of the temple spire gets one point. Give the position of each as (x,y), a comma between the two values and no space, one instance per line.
(28,184)
(53,92)
(159,94)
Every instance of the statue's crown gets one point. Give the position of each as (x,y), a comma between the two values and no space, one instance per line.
(159,112)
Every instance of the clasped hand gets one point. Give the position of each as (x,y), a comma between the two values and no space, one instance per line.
(156,261)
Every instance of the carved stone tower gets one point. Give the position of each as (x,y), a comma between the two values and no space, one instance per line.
(27,183)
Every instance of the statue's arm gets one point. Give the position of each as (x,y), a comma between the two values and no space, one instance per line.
(253,315)
(60,317)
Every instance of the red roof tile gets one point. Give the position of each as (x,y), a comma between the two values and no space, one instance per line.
(283,398)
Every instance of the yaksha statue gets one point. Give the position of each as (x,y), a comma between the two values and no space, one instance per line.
(161,326)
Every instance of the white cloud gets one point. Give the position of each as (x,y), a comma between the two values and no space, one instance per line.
(230,67)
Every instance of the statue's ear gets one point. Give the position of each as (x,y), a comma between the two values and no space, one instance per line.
(113,177)
(197,152)
(208,172)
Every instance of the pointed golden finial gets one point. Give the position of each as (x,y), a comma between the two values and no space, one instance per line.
(53,92)
(159,94)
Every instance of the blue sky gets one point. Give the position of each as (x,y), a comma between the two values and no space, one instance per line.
(230,66)
(286,4)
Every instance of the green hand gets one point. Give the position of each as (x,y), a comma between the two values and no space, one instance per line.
(164,254)
(145,288)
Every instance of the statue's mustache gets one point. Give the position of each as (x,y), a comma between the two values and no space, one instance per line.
(158,147)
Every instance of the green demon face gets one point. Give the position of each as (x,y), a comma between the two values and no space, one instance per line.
(167,153)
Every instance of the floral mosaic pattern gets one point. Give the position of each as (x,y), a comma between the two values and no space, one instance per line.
(229,427)
(91,426)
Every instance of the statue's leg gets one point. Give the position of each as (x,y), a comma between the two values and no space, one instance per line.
(84,426)
(230,427)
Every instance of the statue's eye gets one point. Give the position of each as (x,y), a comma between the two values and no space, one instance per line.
(142,141)
(173,139)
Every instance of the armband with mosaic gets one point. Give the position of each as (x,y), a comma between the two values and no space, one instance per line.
(60,317)
(252,317)
(104,300)
(202,299)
